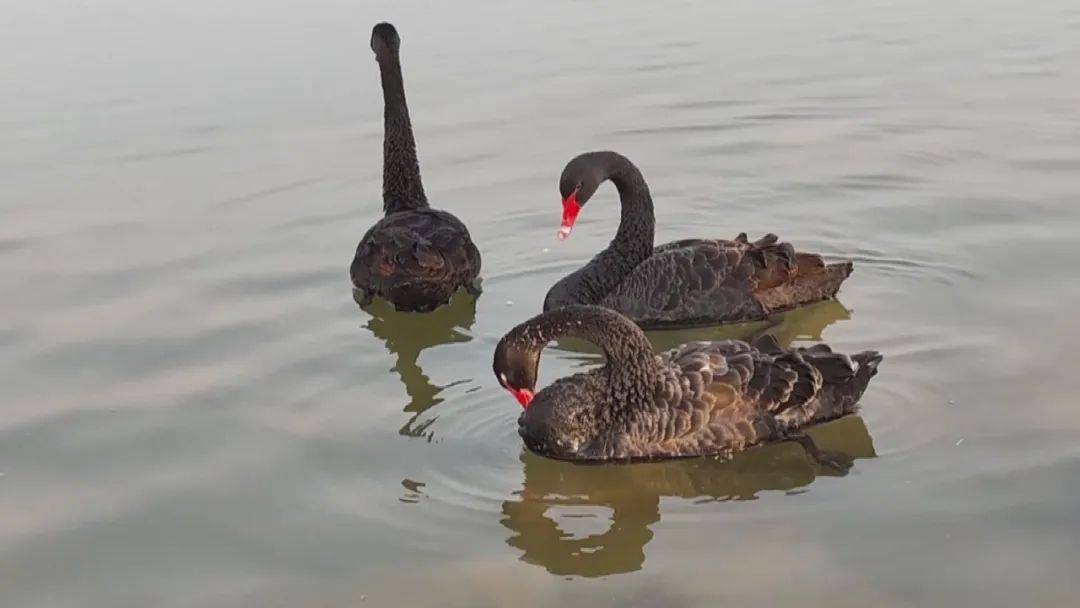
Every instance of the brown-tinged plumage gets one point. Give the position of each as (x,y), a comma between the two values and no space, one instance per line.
(415,257)
(684,283)
(702,398)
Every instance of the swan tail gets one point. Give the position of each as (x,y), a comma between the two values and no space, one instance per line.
(843,379)
(813,281)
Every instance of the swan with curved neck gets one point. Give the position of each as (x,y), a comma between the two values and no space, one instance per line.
(683,283)
(703,398)
(416,257)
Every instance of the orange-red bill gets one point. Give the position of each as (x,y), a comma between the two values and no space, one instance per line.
(523,395)
(570,210)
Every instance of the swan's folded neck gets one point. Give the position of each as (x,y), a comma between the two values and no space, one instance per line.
(402,188)
(632,366)
(633,242)
(637,224)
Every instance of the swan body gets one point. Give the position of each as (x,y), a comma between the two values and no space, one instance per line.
(699,399)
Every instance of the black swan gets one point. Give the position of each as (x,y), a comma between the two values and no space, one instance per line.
(702,398)
(684,283)
(415,257)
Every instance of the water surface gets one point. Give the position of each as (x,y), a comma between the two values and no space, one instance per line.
(196,412)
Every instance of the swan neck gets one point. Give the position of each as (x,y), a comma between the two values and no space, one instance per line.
(637,222)
(632,366)
(402,187)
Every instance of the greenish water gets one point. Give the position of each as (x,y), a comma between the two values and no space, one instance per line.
(196,412)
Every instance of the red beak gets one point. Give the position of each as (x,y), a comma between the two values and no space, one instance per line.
(523,395)
(570,210)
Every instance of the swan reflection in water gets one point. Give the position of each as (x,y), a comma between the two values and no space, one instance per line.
(406,335)
(806,323)
(554,517)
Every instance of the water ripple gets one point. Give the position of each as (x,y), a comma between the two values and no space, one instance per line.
(940,271)
(263,193)
(163,154)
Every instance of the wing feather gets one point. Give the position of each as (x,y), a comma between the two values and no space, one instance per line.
(698,281)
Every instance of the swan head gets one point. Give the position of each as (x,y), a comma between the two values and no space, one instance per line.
(578,182)
(581,178)
(385,41)
(516,369)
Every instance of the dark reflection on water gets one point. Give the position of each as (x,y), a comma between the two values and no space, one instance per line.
(558,497)
(408,334)
(802,324)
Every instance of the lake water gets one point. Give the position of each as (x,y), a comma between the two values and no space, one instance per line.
(197,413)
